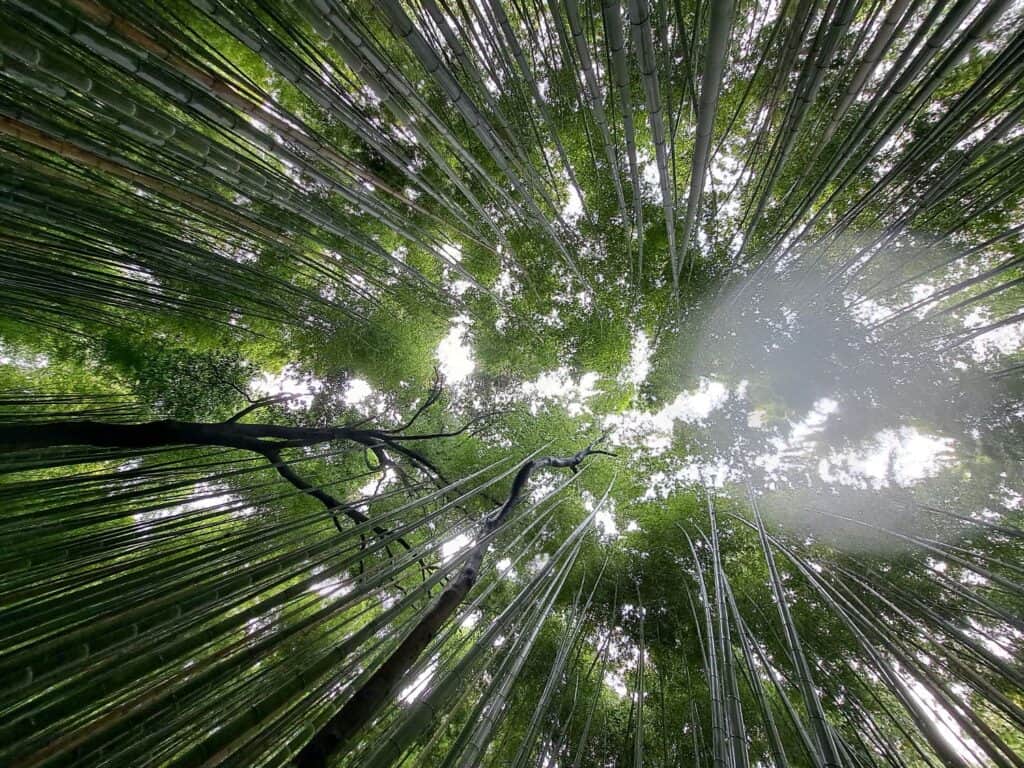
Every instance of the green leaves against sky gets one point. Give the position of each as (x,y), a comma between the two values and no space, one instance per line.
(770,252)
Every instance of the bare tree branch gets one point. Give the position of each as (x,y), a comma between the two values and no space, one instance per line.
(262,402)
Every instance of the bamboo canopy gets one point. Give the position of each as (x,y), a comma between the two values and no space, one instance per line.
(362,565)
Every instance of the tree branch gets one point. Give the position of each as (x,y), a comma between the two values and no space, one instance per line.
(432,397)
(262,402)
(329,501)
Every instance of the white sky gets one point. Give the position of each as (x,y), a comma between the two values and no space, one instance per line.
(357,391)
(904,456)
(649,175)
(653,430)
(999,341)
(332,586)
(9,356)
(204,496)
(505,569)
(560,387)
(900,455)
(605,517)
(572,211)
(639,367)
(454,353)
(288,381)
(454,545)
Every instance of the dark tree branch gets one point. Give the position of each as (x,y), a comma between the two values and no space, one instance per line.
(223,380)
(255,405)
(267,440)
(432,435)
(436,388)
(331,504)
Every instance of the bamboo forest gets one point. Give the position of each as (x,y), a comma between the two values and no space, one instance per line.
(512,383)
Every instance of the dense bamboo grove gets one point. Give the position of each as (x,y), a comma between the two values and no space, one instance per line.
(512,383)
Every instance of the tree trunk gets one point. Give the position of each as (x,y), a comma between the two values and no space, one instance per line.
(157,434)
(379,689)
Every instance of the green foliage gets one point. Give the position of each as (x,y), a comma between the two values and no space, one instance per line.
(178,382)
(202,198)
